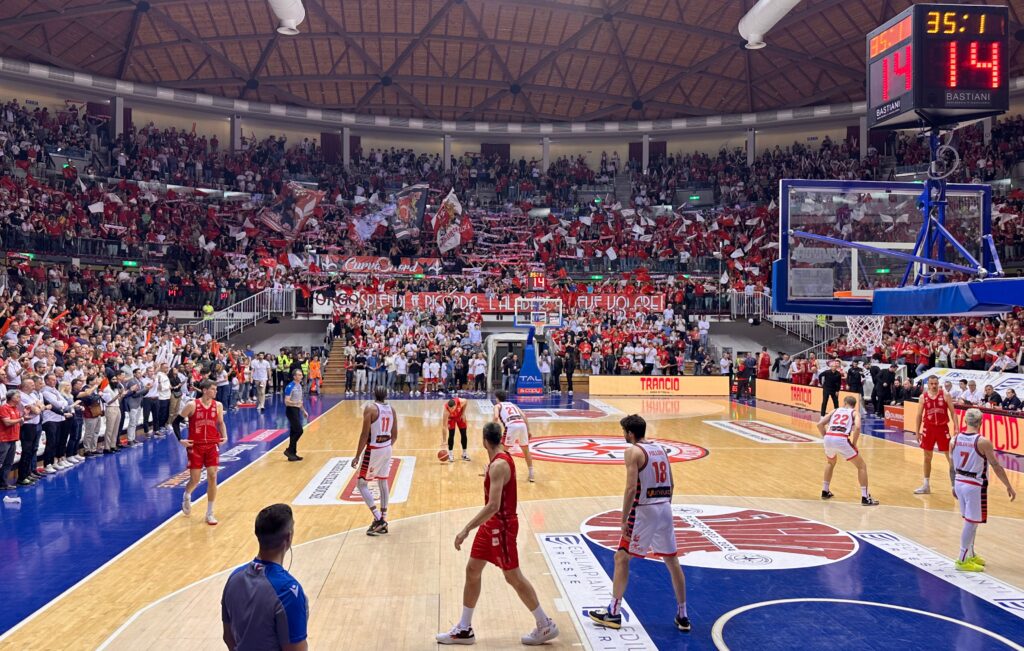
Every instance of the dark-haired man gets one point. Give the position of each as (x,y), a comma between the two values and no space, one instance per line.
(495,542)
(373,456)
(263,606)
(455,417)
(206,432)
(646,522)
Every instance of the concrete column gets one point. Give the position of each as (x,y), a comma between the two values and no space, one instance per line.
(751,146)
(117,108)
(545,153)
(236,133)
(987,124)
(447,153)
(864,137)
(346,147)
(645,158)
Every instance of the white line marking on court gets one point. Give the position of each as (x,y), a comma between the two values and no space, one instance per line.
(147,607)
(138,542)
(718,628)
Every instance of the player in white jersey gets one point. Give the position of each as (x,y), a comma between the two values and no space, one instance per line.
(646,522)
(840,431)
(973,454)
(517,429)
(380,431)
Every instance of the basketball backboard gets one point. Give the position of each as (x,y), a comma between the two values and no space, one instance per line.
(540,313)
(880,222)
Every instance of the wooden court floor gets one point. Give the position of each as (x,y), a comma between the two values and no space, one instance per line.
(395,592)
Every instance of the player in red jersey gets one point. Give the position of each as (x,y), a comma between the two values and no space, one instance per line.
(934,419)
(646,522)
(455,417)
(206,431)
(495,542)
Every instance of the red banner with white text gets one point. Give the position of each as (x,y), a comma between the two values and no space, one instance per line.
(324,304)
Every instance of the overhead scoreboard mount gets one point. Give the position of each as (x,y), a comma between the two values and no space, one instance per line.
(938,64)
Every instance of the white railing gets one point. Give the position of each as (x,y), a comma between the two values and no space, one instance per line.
(759,305)
(246,312)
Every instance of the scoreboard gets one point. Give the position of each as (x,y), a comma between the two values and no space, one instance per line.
(536,280)
(938,64)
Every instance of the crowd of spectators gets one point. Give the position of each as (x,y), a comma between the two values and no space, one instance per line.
(94,375)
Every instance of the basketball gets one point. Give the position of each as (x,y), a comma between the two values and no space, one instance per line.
(442,455)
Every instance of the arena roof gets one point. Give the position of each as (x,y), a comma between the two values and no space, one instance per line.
(487,60)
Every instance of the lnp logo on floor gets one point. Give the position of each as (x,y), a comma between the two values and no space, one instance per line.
(336,483)
(587,586)
(762,432)
(734,538)
(263,436)
(602,449)
(232,455)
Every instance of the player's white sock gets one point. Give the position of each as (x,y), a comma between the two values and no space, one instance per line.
(967,540)
(209,509)
(927,483)
(824,486)
(385,495)
(863,491)
(467,618)
(540,616)
(613,607)
(681,610)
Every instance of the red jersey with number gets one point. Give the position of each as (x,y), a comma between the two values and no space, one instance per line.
(457,414)
(507,509)
(936,412)
(202,424)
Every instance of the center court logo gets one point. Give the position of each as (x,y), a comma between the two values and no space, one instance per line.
(729,537)
(602,449)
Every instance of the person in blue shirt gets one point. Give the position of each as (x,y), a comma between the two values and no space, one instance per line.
(372,366)
(295,412)
(263,607)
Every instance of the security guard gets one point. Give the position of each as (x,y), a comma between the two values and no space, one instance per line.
(284,364)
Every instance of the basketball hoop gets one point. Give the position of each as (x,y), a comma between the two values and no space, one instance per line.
(865,332)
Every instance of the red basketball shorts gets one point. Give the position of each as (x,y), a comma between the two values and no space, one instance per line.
(495,542)
(932,436)
(203,455)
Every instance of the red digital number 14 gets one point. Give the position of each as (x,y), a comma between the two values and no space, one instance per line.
(900,68)
(974,62)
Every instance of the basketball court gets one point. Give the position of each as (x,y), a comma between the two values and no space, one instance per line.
(768,564)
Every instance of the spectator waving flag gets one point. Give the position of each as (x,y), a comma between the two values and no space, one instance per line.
(408,216)
(448,223)
(306,202)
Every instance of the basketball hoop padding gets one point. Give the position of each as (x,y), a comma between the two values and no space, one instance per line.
(982,297)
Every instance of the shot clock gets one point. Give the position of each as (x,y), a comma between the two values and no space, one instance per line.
(938,64)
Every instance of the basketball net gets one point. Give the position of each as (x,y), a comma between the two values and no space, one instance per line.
(865,332)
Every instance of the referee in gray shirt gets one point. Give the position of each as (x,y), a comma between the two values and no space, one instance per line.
(263,607)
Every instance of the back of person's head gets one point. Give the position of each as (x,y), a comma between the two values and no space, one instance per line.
(492,434)
(635,425)
(973,418)
(501,396)
(380,394)
(850,401)
(274,525)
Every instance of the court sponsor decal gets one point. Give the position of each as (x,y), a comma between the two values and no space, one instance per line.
(586,585)
(336,483)
(734,538)
(994,591)
(231,455)
(607,450)
(535,409)
(762,432)
(263,435)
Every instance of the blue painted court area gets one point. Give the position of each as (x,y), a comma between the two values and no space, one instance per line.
(870,575)
(71,523)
